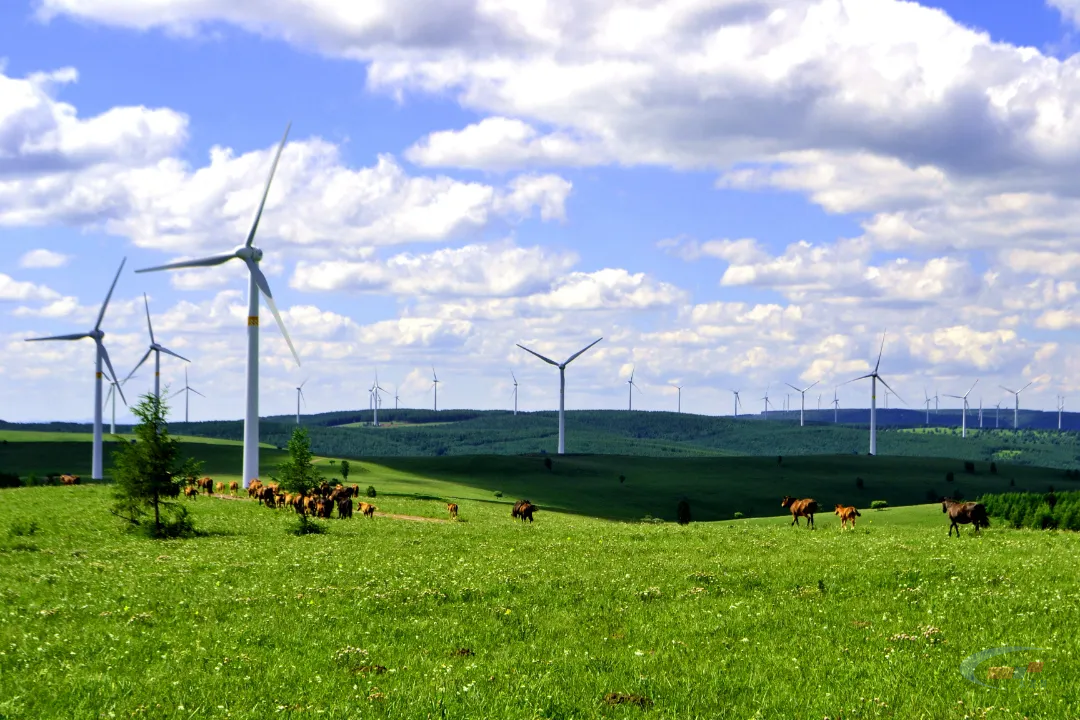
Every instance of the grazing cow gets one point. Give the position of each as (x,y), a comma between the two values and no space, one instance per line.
(801,508)
(266,497)
(452,507)
(221,488)
(848,513)
(523,509)
(191,491)
(344,507)
(206,484)
(356,491)
(69,479)
(234,487)
(254,488)
(367,509)
(325,507)
(964,513)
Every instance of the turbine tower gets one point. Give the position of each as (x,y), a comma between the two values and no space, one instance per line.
(980,412)
(435,385)
(1061,406)
(515,390)
(737,402)
(257,283)
(964,397)
(101,356)
(679,388)
(928,399)
(997,416)
(156,349)
(113,387)
(766,399)
(1016,408)
(874,378)
(376,389)
(631,388)
(395,396)
(802,393)
(187,390)
(562,385)
(299,397)
(836,407)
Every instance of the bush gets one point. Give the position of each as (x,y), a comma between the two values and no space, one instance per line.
(547,463)
(371,491)
(622,478)
(949,476)
(22,528)
(878,504)
(739,516)
(32,480)
(306,526)
(682,512)
(993,468)
(859,483)
(8,480)
(498,493)
(969,467)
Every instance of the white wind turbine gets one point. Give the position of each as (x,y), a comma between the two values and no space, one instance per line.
(802,394)
(997,416)
(376,389)
(1061,406)
(114,386)
(766,399)
(964,397)
(1016,408)
(156,349)
(631,388)
(395,397)
(679,388)
(187,390)
(737,402)
(874,378)
(836,407)
(980,412)
(435,385)
(515,390)
(299,397)
(562,385)
(928,399)
(101,356)
(251,256)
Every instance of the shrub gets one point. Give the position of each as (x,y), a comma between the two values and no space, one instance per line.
(371,491)
(547,463)
(682,512)
(993,468)
(498,493)
(622,478)
(949,476)
(878,504)
(22,528)
(9,480)
(32,480)
(969,467)
(739,516)
(859,483)
(307,526)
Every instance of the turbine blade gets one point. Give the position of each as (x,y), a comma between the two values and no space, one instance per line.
(108,364)
(878,365)
(793,387)
(895,394)
(810,385)
(104,305)
(167,351)
(575,355)
(264,286)
(148,323)
(196,392)
(1024,388)
(1007,389)
(78,336)
(972,387)
(144,358)
(547,360)
(266,190)
(177,393)
(861,377)
(513,376)
(204,262)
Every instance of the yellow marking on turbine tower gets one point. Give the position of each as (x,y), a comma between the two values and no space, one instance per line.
(253,320)
(98,375)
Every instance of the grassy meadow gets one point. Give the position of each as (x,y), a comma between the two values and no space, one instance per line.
(488,618)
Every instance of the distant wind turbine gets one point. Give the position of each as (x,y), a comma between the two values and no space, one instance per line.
(928,399)
(113,385)
(101,356)
(376,389)
(679,388)
(836,407)
(874,378)
(1016,408)
(187,390)
(515,390)
(964,397)
(299,397)
(737,402)
(980,412)
(766,399)
(156,349)
(257,283)
(802,393)
(997,416)
(395,397)
(435,384)
(631,387)
(1061,406)
(562,385)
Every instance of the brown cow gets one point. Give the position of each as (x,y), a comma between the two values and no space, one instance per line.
(206,484)
(523,509)
(367,509)
(848,513)
(266,497)
(69,479)
(344,507)
(964,513)
(221,488)
(234,487)
(254,488)
(356,491)
(452,507)
(801,508)
(191,491)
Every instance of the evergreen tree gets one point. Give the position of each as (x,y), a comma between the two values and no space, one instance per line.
(344,471)
(297,474)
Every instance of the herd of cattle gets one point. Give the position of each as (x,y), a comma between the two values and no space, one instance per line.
(959,513)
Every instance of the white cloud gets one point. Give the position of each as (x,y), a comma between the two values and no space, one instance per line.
(498,143)
(42,258)
(12,289)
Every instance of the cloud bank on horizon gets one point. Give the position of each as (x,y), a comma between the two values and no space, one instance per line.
(931,169)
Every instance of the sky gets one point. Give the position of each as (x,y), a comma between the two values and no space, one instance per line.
(734,194)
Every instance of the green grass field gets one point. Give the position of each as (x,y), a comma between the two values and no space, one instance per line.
(488,618)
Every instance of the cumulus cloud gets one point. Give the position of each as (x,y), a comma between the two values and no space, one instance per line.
(42,258)
(12,289)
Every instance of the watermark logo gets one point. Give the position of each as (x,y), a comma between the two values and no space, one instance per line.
(1029,674)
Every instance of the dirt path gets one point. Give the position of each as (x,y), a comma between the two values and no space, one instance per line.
(414,518)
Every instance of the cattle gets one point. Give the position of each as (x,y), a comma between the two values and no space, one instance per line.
(234,487)
(523,509)
(847,514)
(266,497)
(69,479)
(801,508)
(324,507)
(356,491)
(964,513)
(309,505)
(206,484)
(367,509)
(452,508)
(221,488)
(191,491)
(344,507)
(254,488)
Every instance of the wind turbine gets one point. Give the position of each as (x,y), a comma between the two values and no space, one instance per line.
(679,388)
(1016,408)
(395,396)
(819,401)
(562,385)
(928,399)
(515,390)
(1061,406)
(997,416)
(187,390)
(737,402)
(101,355)
(257,283)
(980,412)
(874,378)
(435,385)
(113,386)
(155,348)
(887,392)
(964,397)
(766,399)
(299,397)
(836,407)
(632,386)
(376,389)
(802,393)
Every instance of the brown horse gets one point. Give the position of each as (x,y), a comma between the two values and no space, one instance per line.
(804,508)
(964,513)
(847,514)
(452,509)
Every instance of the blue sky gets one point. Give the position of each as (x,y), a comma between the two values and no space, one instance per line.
(598,175)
